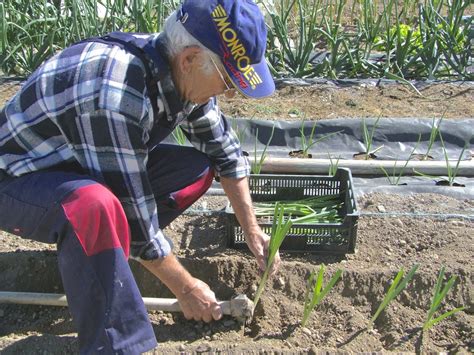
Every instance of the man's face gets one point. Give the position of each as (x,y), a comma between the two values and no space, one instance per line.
(197,84)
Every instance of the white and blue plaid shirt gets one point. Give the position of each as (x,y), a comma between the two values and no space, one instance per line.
(88,105)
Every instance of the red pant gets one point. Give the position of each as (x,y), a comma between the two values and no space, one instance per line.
(90,228)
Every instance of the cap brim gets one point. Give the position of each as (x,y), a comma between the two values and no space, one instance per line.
(254,81)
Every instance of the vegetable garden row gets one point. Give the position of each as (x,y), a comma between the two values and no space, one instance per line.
(395,39)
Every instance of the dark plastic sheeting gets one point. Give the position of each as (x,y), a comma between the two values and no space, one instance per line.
(398,136)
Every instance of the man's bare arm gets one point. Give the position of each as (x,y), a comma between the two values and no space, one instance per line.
(237,191)
(195,297)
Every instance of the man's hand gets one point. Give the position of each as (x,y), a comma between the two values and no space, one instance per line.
(258,243)
(237,190)
(199,303)
(196,299)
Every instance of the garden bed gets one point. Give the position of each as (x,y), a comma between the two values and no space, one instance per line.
(384,246)
(385,243)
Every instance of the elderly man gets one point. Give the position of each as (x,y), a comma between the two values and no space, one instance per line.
(81,163)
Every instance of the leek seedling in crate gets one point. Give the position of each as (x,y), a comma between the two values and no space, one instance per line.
(438,296)
(280,229)
(318,209)
(397,286)
(314,294)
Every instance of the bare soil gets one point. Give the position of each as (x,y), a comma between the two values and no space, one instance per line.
(384,245)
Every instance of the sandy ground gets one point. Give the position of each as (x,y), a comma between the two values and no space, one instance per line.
(384,245)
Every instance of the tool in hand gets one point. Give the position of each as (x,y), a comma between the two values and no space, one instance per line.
(239,307)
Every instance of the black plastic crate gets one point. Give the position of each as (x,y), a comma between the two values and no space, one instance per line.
(335,238)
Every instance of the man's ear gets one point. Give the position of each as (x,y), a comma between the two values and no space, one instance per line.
(188,58)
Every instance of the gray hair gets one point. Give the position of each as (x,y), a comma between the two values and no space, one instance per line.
(177,39)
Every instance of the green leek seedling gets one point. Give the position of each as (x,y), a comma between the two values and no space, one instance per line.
(438,296)
(435,132)
(397,286)
(314,295)
(452,173)
(394,179)
(307,143)
(179,136)
(280,229)
(316,209)
(257,163)
(369,137)
(334,165)
(239,133)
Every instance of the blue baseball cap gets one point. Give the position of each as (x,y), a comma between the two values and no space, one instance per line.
(235,30)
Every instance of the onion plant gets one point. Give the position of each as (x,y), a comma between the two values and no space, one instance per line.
(333,33)
(291,38)
(239,133)
(32,31)
(396,287)
(398,40)
(439,294)
(314,291)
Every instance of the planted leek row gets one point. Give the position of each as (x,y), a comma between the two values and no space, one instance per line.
(412,40)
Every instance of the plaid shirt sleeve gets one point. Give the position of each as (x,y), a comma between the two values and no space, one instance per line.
(113,145)
(210,133)
(89,104)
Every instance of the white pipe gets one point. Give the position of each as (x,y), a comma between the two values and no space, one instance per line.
(365,167)
(238,307)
